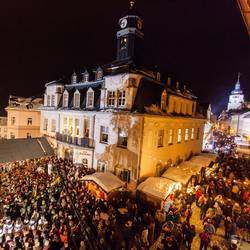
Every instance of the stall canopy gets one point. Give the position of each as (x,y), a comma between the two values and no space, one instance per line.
(106,181)
(158,187)
(24,149)
(203,159)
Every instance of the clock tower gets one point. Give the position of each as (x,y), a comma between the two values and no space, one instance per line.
(129,35)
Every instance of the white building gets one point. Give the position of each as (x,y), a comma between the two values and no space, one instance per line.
(122,118)
(236,99)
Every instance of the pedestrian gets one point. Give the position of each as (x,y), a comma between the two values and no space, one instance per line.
(204,239)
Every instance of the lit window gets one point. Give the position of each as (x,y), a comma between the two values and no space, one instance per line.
(53,125)
(65,99)
(77,127)
(85,163)
(198,134)
(170,136)
(122,137)
(45,124)
(13,120)
(28,135)
(29,121)
(121,98)
(12,135)
(160,138)
(48,100)
(111,98)
(179,135)
(192,133)
(90,98)
(53,101)
(77,99)
(186,134)
(124,40)
(104,134)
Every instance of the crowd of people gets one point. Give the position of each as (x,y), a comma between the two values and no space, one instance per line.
(44,204)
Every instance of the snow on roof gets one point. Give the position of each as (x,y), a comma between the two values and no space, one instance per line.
(158,187)
(107,181)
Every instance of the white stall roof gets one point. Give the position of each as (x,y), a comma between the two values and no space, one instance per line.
(107,181)
(183,172)
(203,159)
(158,187)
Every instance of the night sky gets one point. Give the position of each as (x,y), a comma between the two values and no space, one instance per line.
(203,44)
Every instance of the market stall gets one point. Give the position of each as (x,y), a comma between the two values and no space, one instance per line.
(155,190)
(102,185)
(185,173)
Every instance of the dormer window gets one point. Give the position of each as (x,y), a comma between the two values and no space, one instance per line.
(77,99)
(121,98)
(90,98)
(65,99)
(164,100)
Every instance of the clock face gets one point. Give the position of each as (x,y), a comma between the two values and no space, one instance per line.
(139,24)
(123,23)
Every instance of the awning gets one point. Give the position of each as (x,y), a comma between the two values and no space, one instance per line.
(24,149)
(107,181)
(158,187)
(203,159)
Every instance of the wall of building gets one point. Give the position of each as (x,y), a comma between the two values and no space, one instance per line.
(17,123)
(155,157)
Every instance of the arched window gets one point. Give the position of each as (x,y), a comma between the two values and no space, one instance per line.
(77,99)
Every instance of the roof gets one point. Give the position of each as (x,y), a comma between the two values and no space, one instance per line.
(187,169)
(23,149)
(31,103)
(157,186)
(107,181)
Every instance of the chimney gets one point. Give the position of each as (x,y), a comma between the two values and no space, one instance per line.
(169,82)
(177,85)
(158,76)
(184,88)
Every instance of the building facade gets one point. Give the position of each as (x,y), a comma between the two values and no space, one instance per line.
(122,118)
(3,127)
(23,117)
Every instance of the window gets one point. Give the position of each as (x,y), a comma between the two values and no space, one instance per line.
(122,137)
(186,134)
(104,134)
(192,133)
(85,163)
(111,98)
(48,100)
(13,120)
(90,98)
(179,135)
(198,134)
(121,98)
(174,107)
(170,136)
(77,127)
(28,135)
(45,124)
(53,125)
(160,138)
(77,99)
(12,135)
(124,40)
(65,99)
(53,101)
(29,121)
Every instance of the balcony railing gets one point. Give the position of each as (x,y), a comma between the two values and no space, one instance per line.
(82,142)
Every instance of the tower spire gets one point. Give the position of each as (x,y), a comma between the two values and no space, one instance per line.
(239,74)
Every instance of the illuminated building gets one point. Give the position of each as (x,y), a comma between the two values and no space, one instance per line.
(23,117)
(122,117)
(245,11)
(3,127)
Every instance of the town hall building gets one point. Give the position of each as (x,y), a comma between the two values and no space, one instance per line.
(122,117)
